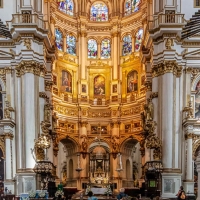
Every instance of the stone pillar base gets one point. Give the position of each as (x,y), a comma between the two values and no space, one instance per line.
(25,183)
(171,183)
(188,187)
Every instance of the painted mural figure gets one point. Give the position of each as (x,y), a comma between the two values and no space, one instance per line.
(132,82)
(66,81)
(99,85)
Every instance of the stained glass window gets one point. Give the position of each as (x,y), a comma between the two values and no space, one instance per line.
(92,48)
(59,40)
(105,49)
(138,40)
(99,12)
(131,6)
(127,45)
(71,45)
(66,6)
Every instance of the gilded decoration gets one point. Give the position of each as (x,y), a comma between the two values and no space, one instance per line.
(154,95)
(48,85)
(66,110)
(115,145)
(98,113)
(148,85)
(169,43)
(27,43)
(131,111)
(54,121)
(167,67)
(188,110)
(2,144)
(31,67)
(7,110)
(47,112)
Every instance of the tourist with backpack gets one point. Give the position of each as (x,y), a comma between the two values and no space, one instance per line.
(181,194)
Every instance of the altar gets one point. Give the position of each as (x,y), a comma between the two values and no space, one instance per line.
(99,190)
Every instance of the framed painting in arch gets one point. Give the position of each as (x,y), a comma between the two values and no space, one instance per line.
(84,88)
(66,82)
(99,85)
(114,88)
(132,81)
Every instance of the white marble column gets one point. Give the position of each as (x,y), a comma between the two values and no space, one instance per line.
(8,159)
(189,173)
(41,101)
(19,121)
(167,119)
(29,117)
(115,55)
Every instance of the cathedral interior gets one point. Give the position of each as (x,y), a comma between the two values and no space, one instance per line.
(98,94)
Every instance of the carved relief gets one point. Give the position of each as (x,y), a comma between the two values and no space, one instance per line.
(27,43)
(7,110)
(169,43)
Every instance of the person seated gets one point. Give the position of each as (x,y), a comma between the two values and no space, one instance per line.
(121,194)
(91,197)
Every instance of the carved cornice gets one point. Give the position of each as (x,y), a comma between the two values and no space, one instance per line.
(30,67)
(48,85)
(167,67)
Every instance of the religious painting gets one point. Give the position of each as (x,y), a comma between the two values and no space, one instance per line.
(99,12)
(71,45)
(94,129)
(138,40)
(54,80)
(59,39)
(143,80)
(131,6)
(127,128)
(66,6)
(92,48)
(66,82)
(84,88)
(105,49)
(99,85)
(197,101)
(114,88)
(127,45)
(132,81)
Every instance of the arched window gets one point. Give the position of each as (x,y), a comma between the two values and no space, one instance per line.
(66,6)
(127,45)
(131,6)
(92,48)
(138,40)
(105,49)
(59,40)
(71,45)
(132,81)
(99,12)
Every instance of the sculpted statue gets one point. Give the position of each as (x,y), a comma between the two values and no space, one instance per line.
(150,109)
(84,145)
(47,113)
(54,121)
(114,144)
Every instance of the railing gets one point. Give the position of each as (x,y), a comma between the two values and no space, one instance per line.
(165,19)
(30,19)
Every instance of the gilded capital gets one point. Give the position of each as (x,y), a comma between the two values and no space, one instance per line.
(189,136)
(84,123)
(8,136)
(8,70)
(154,95)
